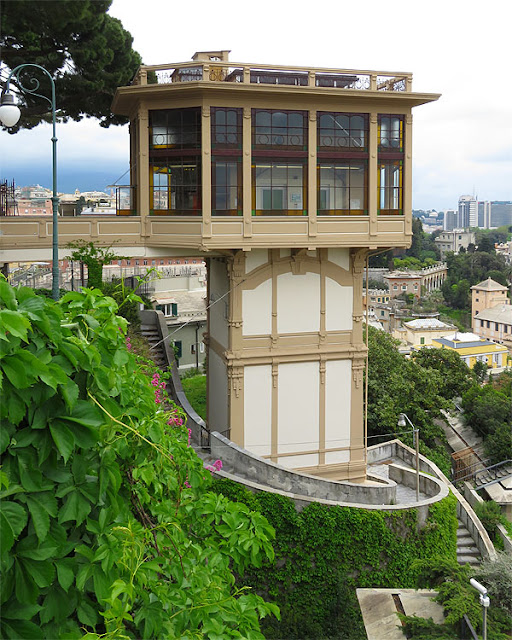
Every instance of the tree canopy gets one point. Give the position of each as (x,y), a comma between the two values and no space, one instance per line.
(87,52)
(398,385)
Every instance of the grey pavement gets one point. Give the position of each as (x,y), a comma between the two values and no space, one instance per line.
(379,610)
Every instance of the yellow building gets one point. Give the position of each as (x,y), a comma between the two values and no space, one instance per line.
(422,331)
(284,179)
(472,349)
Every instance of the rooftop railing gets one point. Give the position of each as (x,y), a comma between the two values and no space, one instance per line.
(242,73)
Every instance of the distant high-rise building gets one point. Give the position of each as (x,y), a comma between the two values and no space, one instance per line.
(484,215)
(450,220)
(501,213)
(494,213)
(468,212)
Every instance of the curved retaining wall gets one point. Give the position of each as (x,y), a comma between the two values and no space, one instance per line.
(465,513)
(262,475)
(258,474)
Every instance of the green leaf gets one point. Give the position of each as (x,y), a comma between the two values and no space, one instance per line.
(63,438)
(23,629)
(75,508)
(69,393)
(14,323)
(17,611)
(25,588)
(5,437)
(42,573)
(13,519)
(86,414)
(41,506)
(16,372)
(16,407)
(65,574)
(87,615)
(7,295)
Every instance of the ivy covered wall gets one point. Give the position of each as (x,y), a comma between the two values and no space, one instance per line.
(323,553)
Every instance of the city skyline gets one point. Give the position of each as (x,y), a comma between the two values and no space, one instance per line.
(454,151)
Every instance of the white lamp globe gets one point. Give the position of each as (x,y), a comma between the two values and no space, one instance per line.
(9,112)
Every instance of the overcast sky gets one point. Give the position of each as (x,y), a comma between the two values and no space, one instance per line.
(459,48)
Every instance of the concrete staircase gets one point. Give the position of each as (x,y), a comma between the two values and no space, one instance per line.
(493,474)
(150,332)
(467,551)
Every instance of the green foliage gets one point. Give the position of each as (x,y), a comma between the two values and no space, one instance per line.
(451,580)
(87,52)
(496,575)
(486,408)
(323,553)
(195,390)
(94,257)
(127,301)
(398,385)
(489,513)
(422,629)
(468,269)
(107,525)
(455,374)
(459,598)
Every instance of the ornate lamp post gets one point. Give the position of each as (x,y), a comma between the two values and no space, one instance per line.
(9,116)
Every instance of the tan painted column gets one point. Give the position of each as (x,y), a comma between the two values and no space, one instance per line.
(312,179)
(274,435)
(206,170)
(143,167)
(407,175)
(246,171)
(372,174)
(357,468)
(236,272)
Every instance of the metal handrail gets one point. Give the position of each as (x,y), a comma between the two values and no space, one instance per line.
(472,469)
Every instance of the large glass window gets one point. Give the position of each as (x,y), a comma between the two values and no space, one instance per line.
(391,133)
(176,187)
(226,128)
(390,194)
(226,186)
(175,129)
(342,188)
(279,188)
(275,129)
(342,131)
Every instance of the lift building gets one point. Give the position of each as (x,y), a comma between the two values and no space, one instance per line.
(285,179)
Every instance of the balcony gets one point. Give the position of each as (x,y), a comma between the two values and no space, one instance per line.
(243,73)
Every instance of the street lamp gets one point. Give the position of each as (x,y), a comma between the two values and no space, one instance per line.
(416,439)
(484,601)
(9,116)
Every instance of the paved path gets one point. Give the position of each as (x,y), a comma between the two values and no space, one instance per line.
(379,610)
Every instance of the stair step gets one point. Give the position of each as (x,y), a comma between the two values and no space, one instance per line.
(472,560)
(469,550)
(465,541)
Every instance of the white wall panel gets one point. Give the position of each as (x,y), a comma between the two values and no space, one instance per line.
(258,409)
(338,393)
(339,303)
(341,257)
(298,303)
(298,412)
(217,393)
(255,258)
(219,311)
(257,310)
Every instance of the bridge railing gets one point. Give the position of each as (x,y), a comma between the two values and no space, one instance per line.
(245,73)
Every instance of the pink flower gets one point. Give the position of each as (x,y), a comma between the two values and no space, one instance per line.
(187,484)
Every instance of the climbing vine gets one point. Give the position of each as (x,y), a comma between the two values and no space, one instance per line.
(107,525)
(323,553)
